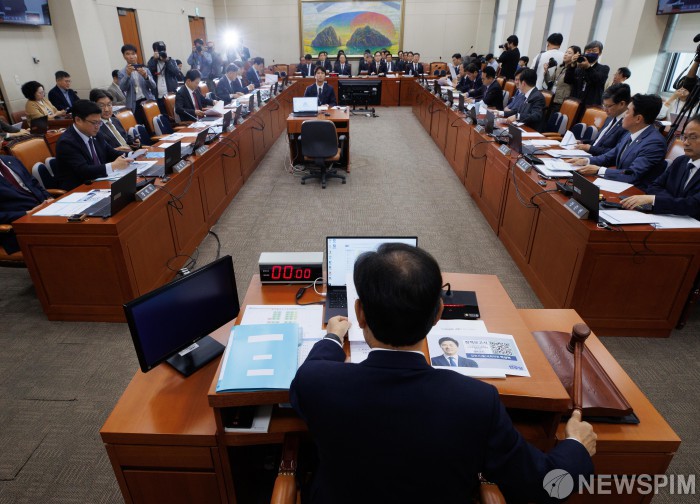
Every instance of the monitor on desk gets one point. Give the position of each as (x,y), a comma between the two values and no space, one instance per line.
(515,136)
(173,322)
(588,194)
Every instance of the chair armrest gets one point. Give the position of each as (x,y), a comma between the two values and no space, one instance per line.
(489,493)
(553,136)
(341,140)
(285,490)
(56,192)
(5,228)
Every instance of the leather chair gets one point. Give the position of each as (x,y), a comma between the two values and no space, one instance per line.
(151,111)
(675,150)
(570,108)
(170,109)
(126,117)
(594,116)
(509,86)
(30,152)
(436,65)
(280,68)
(506,98)
(20,116)
(501,81)
(548,96)
(321,145)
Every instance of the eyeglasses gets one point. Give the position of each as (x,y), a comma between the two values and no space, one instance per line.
(689,138)
(104,105)
(94,123)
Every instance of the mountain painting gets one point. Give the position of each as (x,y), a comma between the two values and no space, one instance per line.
(350,26)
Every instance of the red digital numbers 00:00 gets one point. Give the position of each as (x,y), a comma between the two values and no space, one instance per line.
(290,273)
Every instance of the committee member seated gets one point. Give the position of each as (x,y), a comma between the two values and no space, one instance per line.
(324,62)
(377,67)
(677,190)
(81,154)
(450,357)
(61,95)
(231,86)
(111,130)
(518,97)
(20,193)
(493,94)
(189,101)
(616,99)
(8,131)
(391,65)
(37,105)
(638,157)
(342,67)
(365,63)
(388,416)
(253,73)
(324,92)
(531,111)
(414,67)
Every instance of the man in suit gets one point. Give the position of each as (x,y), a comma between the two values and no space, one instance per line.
(616,99)
(509,57)
(231,86)
(324,62)
(450,357)
(365,63)
(189,101)
(518,97)
(324,92)
(165,72)
(677,190)
(81,154)
(531,111)
(254,71)
(415,67)
(389,414)
(306,67)
(20,193)
(200,59)
(493,94)
(115,91)
(136,82)
(471,83)
(590,75)
(377,67)
(342,67)
(111,130)
(61,95)
(391,66)
(638,157)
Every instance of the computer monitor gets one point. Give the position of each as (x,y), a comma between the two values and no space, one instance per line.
(171,156)
(450,97)
(173,322)
(259,98)
(588,194)
(251,103)
(515,136)
(226,123)
(490,118)
(461,104)
(200,140)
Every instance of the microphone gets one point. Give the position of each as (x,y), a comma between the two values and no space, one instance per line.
(697,38)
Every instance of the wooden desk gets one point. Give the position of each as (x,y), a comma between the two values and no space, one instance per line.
(88,270)
(165,433)
(395,91)
(341,119)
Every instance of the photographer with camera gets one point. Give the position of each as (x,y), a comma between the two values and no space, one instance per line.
(164,71)
(559,79)
(217,66)
(200,59)
(551,57)
(590,75)
(509,57)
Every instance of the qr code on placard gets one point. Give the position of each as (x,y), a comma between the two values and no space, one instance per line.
(501,348)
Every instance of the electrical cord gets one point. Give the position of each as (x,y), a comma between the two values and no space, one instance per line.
(302,290)
(521,199)
(175,200)
(471,151)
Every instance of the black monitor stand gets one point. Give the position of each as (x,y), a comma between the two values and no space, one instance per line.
(207,349)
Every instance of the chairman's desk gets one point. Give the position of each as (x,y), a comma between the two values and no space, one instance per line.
(166,443)
(631,281)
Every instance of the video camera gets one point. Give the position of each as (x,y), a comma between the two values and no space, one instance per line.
(159,47)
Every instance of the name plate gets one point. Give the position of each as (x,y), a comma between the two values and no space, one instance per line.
(524,165)
(181,165)
(202,150)
(576,208)
(504,149)
(480,129)
(144,193)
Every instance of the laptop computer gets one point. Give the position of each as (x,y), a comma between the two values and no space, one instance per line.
(198,142)
(588,194)
(122,193)
(172,155)
(220,128)
(39,125)
(515,138)
(341,253)
(304,107)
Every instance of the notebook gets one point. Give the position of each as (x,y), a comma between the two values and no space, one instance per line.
(341,253)
(305,107)
(122,192)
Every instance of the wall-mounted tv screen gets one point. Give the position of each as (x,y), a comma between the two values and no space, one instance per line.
(25,12)
(678,6)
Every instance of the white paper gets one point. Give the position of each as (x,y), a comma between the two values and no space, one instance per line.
(531,134)
(540,143)
(359,351)
(165,145)
(217,110)
(271,78)
(309,318)
(74,203)
(174,137)
(568,141)
(612,186)
(142,166)
(567,153)
(136,153)
(264,338)
(260,372)
(620,217)
(556,165)
(304,349)
(675,222)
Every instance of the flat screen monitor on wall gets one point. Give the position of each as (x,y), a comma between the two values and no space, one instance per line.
(678,6)
(24,12)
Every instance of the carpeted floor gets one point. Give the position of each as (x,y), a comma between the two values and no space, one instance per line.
(60,380)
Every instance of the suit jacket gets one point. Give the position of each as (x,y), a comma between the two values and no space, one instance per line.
(252,75)
(394,67)
(346,71)
(147,85)
(35,109)
(13,203)
(224,89)
(409,69)
(509,61)
(170,72)
(493,95)
(386,419)
(609,139)
(465,85)
(327,95)
(671,196)
(363,67)
(441,360)
(327,65)
(640,163)
(74,164)
(531,111)
(108,136)
(380,69)
(305,69)
(59,100)
(115,91)
(516,101)
(184,106)
(590,84)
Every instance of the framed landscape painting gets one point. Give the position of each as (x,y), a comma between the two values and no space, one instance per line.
(351,26)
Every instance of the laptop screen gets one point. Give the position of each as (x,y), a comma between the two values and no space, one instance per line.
(342,252)
(305,104)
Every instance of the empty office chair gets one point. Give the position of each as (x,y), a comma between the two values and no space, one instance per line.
(30,152)
(126,117)
(584,133)
(320,144)
(594,116)
(556,126)
(162,125)
(548,96)
(571,108)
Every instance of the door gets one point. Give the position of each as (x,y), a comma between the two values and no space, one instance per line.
(198,29)
(130,30)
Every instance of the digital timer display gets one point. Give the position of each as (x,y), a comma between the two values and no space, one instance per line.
(290,267)
(289,272)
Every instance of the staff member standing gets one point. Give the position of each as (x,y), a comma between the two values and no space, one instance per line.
(324,92)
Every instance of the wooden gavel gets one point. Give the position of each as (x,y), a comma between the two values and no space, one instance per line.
(579,334)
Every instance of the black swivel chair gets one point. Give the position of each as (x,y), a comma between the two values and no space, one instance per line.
(320,143)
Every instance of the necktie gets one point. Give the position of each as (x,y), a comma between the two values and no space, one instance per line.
(622,151)
(197,106)
(116,134)
(7,173)
(605,131)
(414,68)
(342,69)
(452,362)
(691,172)
(95,159)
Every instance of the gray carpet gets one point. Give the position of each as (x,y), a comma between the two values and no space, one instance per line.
(60,380)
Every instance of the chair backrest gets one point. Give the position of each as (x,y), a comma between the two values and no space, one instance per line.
(674,151)
(280,68)
(547,98)
(509,86)
(151,111)
(126,117)
(556,123)
(292,68)
(19,116)
(570,108)
(170,106)
(319,139)
(44,173)
(506,98)
(584,132)
(594,116)
(30,152)
(501,81)
(436,65)
(203,88)
(162,125)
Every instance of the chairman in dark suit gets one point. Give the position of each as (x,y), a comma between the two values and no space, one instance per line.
(450,356)
(324,92)
(377,67)
(324,62)
(616,99)
(677,190)
(638,158)
(61,95)
(189,101)
(253,74)
(414,67)
(231,86)
(342,67)
(386,426)
(19,194)
(82,154)
(531,111)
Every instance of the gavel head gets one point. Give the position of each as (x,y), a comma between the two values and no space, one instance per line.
(579,333)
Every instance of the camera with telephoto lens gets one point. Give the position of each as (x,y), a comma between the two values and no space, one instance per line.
(200,48)
(163,55)
(552,63)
